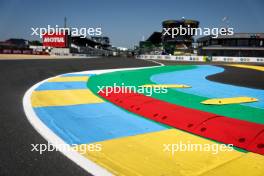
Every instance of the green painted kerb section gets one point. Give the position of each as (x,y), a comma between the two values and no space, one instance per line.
(142,76)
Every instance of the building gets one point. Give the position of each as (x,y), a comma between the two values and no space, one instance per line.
(179,44)
(102,40)
(91,46)
(239,44)
(68,44)
(152,45)
(14,44)
(163,43)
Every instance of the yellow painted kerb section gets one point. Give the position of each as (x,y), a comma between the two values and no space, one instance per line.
(233,100)
(63,97)
(166,86)
(69,79)
(249,164)
(254,67)
(146,154)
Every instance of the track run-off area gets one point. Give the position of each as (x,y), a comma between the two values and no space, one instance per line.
(133,128)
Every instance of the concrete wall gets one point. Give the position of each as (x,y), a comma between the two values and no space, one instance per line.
(203,58)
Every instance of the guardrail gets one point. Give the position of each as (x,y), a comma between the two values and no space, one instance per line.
(175,58)
(237,59)
(203,58)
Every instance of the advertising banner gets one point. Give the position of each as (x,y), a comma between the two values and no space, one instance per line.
(55,40)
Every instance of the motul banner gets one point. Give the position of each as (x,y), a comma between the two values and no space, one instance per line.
(55,40)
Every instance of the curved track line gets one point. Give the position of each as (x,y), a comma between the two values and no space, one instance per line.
(254,67)
(202,87)
(138,78)
(50,136)
(244,77)
(161,64)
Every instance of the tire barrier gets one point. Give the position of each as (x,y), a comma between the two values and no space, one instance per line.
(242,134)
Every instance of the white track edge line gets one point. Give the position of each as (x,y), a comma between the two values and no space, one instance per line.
(50,136)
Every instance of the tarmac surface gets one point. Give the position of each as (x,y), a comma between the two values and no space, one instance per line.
(239,77)
(232,75)
(17,134)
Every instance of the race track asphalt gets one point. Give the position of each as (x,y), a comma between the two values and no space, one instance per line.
(232,75)
(239,76)
(17,134)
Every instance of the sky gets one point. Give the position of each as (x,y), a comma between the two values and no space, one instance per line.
(126,22)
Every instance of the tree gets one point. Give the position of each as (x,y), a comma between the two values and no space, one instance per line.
(35,42)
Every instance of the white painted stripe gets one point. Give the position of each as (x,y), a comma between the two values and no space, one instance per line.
(110,70)
(161,64)
(50,136)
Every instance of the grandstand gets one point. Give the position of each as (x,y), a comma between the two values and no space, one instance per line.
(161,43)
(237,45)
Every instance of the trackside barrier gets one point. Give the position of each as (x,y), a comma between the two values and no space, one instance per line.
(203,58)
(242,134)
(237,59)
(176,58)
(60,51)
